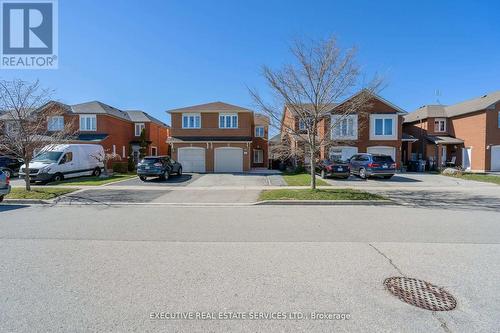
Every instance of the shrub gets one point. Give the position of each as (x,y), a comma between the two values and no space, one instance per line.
(119,167)
(452,172)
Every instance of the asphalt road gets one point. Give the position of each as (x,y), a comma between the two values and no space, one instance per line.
(107,268)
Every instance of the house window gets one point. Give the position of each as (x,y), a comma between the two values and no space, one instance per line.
(258,156)
(228,120)
(55,123)
(344,127)
(191,120)
(440,125)
(138,128)
(259,131)
(88,122)
(383,126)
(302,125)
(153,151)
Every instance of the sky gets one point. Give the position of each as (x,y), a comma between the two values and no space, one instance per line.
(159,55)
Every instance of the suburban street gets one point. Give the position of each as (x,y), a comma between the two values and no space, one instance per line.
(105,267)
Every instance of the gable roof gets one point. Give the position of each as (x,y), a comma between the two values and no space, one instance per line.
(96,107)
(465,107)
(211,107)
(378,97)
(138,116)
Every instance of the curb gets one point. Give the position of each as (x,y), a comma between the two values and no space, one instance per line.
(327,203)
(27,202)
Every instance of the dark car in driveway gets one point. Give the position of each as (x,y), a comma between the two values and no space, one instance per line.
(333,168)
(376,165)
(158,166)
(4,185)
(10,165)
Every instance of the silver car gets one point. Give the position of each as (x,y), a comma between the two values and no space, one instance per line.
(4,185)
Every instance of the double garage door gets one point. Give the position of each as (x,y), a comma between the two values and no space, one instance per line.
(226,159)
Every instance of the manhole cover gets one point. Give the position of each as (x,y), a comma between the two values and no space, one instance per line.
(420,293)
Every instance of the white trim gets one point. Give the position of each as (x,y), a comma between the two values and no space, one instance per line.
(263,131)
(395,126)
(141,126)
(222,125)
(91,117)
(191,114)
(123,152)
(336,122)
(439,120)
(156,151)
(114,149)
(464,150)
(258,161)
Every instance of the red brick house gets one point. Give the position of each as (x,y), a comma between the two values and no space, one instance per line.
(466,134)
(377,129)
(219,137)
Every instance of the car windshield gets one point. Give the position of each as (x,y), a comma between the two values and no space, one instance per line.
(336,160)
(383,159)
(150,161)
(48,156)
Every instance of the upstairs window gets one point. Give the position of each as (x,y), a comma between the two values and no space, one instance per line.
(191,120)
(228,120)
(440,125)
(259,131)
(344,127)
(55,123)
(302,125)
(88,122)
(138,128)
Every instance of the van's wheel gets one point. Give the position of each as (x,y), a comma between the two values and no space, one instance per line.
(179,173)
(143,178)
(58,177)
(362,173)
(97,172)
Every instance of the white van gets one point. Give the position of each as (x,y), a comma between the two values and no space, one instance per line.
(57,162)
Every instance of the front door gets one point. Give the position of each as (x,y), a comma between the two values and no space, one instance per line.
(466,158)
(443,156)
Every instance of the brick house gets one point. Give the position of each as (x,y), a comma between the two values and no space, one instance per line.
(219,137)
(116,130)
(466,134)
(377,129)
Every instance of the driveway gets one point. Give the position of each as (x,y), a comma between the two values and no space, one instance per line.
(174,180)
(237,180)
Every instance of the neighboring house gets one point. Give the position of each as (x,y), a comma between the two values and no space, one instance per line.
(376,129)
(219,137)
(466,134)
(116,130)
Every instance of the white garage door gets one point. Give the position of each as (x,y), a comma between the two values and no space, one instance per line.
(192,159)
(391,151)
(229,159)
(495,158)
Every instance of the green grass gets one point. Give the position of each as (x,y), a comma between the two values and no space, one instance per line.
(301,179)
(307,194)
(480,177)
(94,181)
(38,193)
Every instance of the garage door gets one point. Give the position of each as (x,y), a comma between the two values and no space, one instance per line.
(192,159)
(228,159)
(391,151)
(495,158)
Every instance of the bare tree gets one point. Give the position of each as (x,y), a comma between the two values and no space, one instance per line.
(104,157)
(311,89)
(25,116)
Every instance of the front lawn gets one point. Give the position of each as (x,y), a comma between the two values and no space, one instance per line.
(301,179)
(307,194)
(40,193)
(480,177)
(94,181)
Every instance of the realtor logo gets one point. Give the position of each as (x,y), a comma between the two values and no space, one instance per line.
(29,34)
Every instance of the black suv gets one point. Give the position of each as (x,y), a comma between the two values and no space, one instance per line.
(158,166)
(10,165)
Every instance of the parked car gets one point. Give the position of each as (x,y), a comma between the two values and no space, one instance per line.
(368,165)
(333,168)
(10,165)
(57,162)
(4,185)
(158,166)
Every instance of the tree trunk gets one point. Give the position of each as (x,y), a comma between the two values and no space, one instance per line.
(27,174)
(313,170)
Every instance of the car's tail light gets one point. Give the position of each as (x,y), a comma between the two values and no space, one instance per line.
(7,180)
(393,166)
(158,164)
(373,165)
(328,167)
